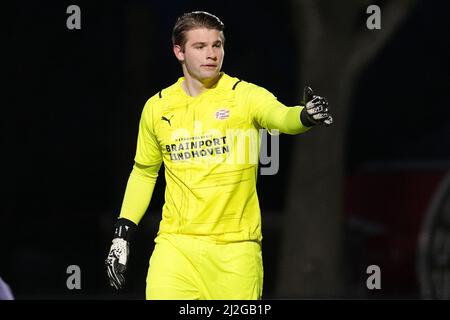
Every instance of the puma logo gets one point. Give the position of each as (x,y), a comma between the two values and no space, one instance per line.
(168,120)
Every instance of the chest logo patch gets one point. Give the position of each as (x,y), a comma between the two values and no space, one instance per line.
(222,114)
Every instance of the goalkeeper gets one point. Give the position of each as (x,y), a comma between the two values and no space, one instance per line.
(208,244)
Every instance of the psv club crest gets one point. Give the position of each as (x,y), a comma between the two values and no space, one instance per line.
(222,114)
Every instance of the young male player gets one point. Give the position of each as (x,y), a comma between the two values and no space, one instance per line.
(209,240)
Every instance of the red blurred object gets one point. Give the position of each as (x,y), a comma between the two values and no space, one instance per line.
(388,207)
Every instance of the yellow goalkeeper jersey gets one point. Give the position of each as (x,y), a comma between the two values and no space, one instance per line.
(209,145)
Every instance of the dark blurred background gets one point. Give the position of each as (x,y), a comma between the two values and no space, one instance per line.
(371,190)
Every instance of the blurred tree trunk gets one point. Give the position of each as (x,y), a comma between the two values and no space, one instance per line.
(336,46)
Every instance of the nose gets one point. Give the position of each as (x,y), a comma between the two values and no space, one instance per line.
(211,54)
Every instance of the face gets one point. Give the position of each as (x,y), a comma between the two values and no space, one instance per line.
(202,55)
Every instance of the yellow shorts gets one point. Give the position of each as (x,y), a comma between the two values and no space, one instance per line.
(187,267)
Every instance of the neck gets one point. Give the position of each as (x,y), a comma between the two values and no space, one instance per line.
(194,87)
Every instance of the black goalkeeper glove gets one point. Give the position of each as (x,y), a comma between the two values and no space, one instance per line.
(116,262)
(316,109)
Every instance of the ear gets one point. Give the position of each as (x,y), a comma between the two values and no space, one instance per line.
(178,51)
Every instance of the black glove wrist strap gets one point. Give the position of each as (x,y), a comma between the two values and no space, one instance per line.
(304,118)
(124,229)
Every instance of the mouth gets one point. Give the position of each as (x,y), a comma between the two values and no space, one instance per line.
(209,66)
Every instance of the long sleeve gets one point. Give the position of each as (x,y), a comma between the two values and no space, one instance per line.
(142,180)
(138,192)
(271,114)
